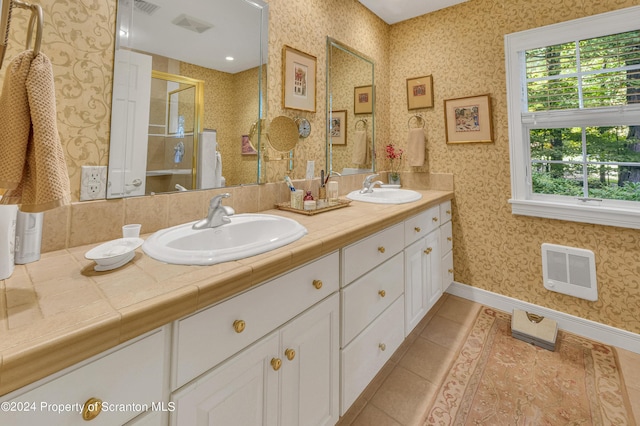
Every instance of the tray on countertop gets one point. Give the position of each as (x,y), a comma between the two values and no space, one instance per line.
(287,206)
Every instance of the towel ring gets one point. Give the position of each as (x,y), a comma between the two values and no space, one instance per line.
(418,119)
(36,20)
(364,123)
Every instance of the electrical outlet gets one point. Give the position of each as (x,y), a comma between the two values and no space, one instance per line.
(93,183)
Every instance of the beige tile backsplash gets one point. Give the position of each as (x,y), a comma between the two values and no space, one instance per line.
(91,222)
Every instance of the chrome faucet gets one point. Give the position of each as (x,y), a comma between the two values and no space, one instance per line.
(218,214)
(368,184)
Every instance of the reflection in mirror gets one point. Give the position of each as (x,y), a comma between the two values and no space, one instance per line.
(182,109)
(350,110)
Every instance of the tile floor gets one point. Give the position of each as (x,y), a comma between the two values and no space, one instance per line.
(400,393)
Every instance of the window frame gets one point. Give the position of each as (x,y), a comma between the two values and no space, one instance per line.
(523,201)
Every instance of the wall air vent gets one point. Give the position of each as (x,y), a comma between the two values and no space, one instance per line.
(570,271)
(192,24)
(145,7)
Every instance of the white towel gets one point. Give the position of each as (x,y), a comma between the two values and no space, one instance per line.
(359,152)
(207,160)
(415,147)
(218,179)
(32,162)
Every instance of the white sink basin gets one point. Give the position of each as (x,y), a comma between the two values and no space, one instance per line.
(246,235)
(386,196)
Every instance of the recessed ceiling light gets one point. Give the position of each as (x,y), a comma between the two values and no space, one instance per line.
(229,58)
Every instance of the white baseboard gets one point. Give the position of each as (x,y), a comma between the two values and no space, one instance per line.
(576,325)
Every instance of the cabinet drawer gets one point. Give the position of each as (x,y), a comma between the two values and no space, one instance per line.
(208,337)
(366,254)
(447,270)
(132,376)
(370,295)
(445,212)
(421,224)
(364,357)
(446,238)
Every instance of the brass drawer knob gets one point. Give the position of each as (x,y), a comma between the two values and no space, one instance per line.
(381,249)
(449,239)
(450,271)
(276,363)
(382,347)
(417,229)
(382,293)
(238,326)
(449,212)
(317,284)
(91,408)
(290,354)
(435,219)
(428,250)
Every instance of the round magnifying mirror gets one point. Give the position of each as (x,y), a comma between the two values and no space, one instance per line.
(283,133)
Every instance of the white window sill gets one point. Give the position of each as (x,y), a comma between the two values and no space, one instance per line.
(595,214)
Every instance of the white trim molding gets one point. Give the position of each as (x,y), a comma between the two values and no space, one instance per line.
(576,325)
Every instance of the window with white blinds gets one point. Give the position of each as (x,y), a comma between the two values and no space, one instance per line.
(574,119)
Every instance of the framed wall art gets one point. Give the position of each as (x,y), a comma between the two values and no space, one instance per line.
(298,80)
(468,120)
(420,92)
(363,100)
(338,127)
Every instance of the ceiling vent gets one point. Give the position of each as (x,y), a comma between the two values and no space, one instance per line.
(192,24)
(145,7)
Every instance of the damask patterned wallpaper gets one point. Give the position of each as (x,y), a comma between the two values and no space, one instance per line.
(463,48)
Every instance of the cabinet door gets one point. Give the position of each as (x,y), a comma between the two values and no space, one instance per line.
(423,281)
(415,290)
(242,391)
(447,271)
(310,370)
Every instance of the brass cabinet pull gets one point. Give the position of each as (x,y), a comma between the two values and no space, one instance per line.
(435,219)
(449,238)
(276,363)
(428,250)
(417,229)
(382,347)
(381,249)
(290,354)
(91,408)
(450,271)
(238,326)
(449,212)
(317,284)
(382,293)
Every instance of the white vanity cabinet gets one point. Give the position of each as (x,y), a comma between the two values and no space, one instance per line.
(269,356)
(109,389)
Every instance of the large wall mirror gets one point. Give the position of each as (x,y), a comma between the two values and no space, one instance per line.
(350,110)
(189,82)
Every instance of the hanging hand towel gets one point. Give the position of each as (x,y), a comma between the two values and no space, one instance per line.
(359,153)
(218,178)
(415,147)
(32,163)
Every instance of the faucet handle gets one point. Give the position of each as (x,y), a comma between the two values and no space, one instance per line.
(370,178)
(217,200)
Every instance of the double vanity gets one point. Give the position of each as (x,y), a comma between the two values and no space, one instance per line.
(288,337)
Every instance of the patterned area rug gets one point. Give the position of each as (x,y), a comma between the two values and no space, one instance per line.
(499,380)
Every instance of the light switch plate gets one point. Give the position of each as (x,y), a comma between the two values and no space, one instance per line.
(93,183)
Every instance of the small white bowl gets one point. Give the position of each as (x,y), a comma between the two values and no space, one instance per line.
(113,254)
(388,185)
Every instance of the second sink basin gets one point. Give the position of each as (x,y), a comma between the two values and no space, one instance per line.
(386,196)
(246,235)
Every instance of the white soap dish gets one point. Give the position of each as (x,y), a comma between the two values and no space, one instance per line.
(113,254)
(389,185)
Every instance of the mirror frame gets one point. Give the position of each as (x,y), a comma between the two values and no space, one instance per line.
(331,42)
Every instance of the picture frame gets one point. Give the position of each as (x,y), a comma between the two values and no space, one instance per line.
(246,147)
(468,120)
(363,100)
(298,80)
(420,92)
(338,127)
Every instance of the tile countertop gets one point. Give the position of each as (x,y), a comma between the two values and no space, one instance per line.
(59,311)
